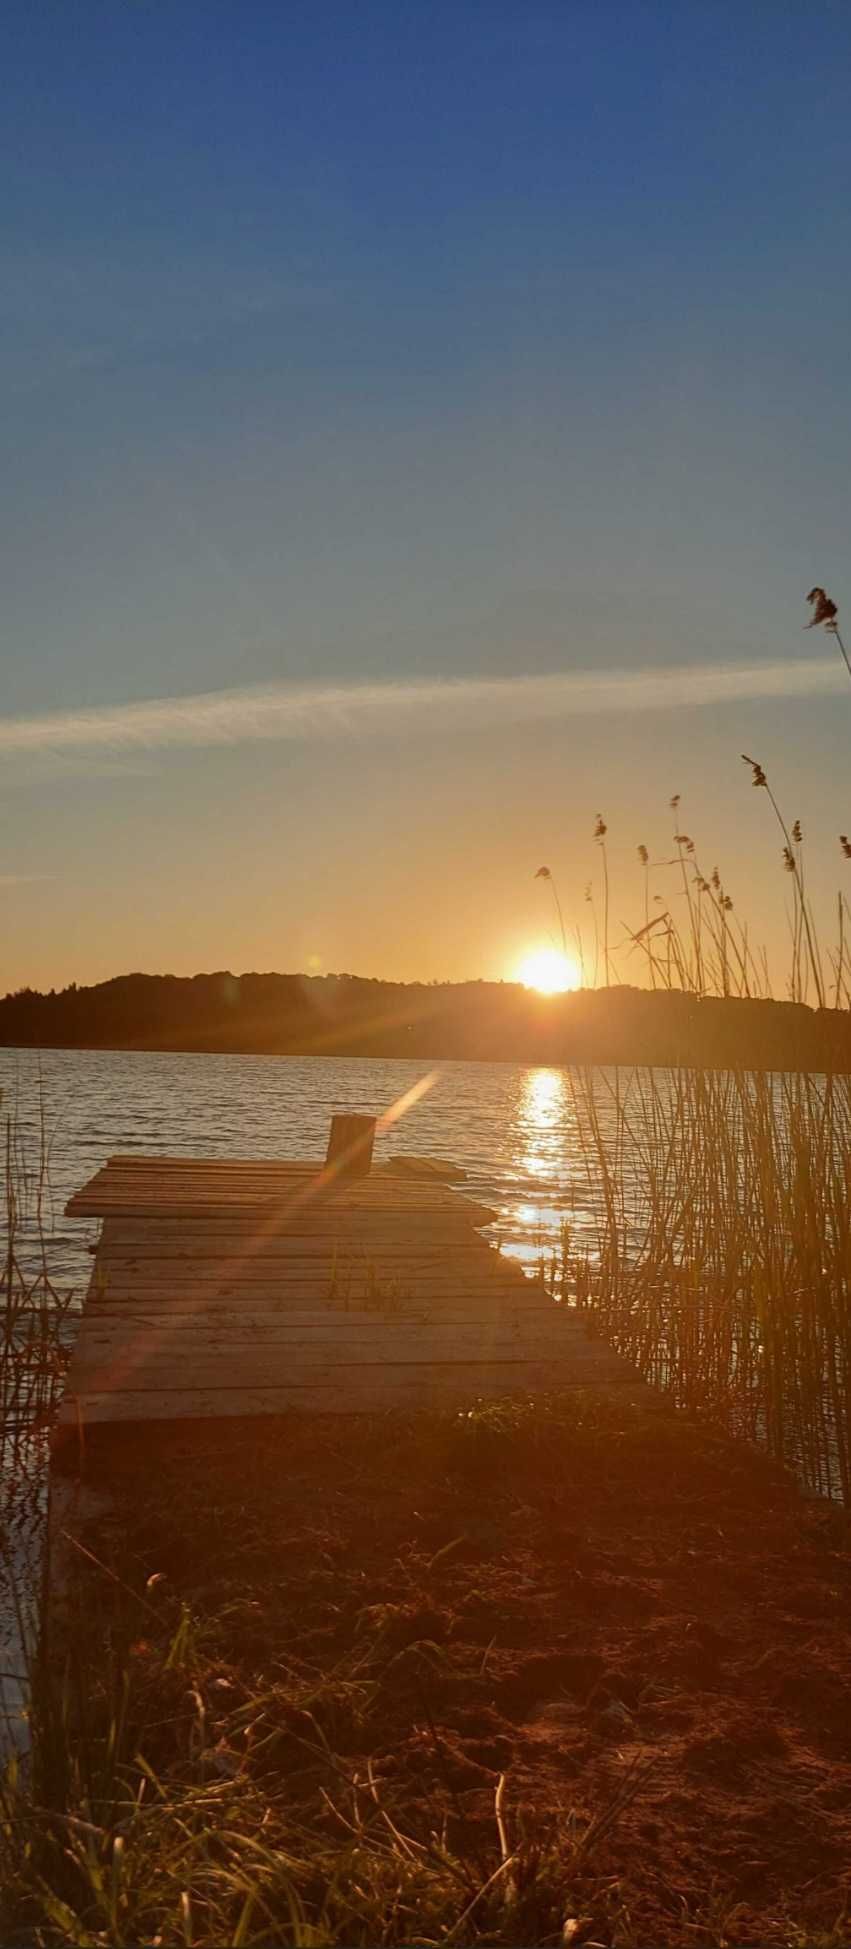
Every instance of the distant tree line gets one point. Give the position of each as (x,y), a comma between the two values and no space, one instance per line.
(346,1015)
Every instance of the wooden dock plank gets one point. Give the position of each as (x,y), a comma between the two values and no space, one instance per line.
(246,1368)
(324,1268)
(482,1298)
(344,1390)
(147,1337)
(324,1290)
(148,1185)
(263,1319)
(280,1239)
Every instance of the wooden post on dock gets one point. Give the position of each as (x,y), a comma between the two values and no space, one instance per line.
(350,1146)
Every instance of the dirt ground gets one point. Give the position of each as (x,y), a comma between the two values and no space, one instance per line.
(638,1627)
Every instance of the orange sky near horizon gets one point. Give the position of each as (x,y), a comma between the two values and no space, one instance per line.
(413,860)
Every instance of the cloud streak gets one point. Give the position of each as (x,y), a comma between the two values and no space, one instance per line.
(285,712)
(23,879)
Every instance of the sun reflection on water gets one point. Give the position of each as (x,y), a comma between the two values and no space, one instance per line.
(546,1157)
(541,1120)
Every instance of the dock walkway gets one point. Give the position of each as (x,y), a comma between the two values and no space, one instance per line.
(247,1287)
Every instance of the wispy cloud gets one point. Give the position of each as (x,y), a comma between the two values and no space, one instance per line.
(23,879)
(286,712)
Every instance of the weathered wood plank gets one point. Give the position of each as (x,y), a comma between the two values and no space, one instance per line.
(194,1235)
(357,1330)
(331,1320)
(195,1204)
(481,1303)
(479,1306)
(462,1339)
(238,1168)
(183,1328)
(380,1182)
(478,1303)
(286,1267)
(345,1391)
(141,1184)
(370,1332)
(308,1238)
(286,1219)
(224,1363)
(341,1251)
(313,1279)
(412,1306)
(440,1169)
(250,1367)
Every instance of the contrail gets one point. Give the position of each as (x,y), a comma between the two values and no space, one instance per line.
(276,712)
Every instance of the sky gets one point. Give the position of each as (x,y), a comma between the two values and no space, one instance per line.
(421,428)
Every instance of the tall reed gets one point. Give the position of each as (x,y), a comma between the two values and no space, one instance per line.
(723,1259)
(722,1262)
(33,1309)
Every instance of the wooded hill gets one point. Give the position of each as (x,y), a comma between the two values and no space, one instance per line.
(346,1015)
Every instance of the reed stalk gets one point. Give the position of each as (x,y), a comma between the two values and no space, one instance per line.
(721,1264)
(34,1311)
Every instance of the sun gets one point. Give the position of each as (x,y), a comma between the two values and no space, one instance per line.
(549,971)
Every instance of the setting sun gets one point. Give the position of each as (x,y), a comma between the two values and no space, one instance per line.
(549,971)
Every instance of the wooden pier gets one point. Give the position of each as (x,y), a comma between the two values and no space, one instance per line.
(247,1287)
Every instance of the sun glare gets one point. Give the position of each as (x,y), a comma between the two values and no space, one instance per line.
(549,971)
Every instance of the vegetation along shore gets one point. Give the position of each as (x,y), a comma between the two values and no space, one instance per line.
(303,1015)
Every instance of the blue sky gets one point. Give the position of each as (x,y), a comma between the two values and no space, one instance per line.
(396,344)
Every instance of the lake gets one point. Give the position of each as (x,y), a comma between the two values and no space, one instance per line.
(512,1129)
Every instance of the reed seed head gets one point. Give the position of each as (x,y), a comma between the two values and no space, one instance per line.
(824,611)
(759,777)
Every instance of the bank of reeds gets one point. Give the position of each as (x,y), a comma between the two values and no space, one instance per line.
(722,1265)
(33,1309)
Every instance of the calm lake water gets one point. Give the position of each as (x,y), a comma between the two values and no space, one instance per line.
(513,1130)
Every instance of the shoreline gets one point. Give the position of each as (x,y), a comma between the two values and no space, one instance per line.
(627,1065)
(477,1021)
(605,1641)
